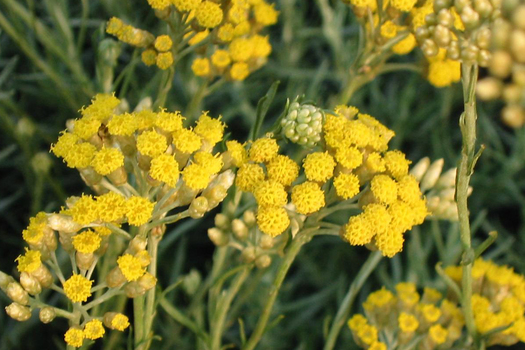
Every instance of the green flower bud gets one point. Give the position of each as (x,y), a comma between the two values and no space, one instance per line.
(218,237)
(303,124)
(263,261)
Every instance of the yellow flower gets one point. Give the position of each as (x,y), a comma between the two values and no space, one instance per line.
(213,163)
(261,46)
(377,346)
(169,121)
(438,334)
(239,71)
(390,243)
(34,233)
(357,321)
(120,322)
(138,210)
(265,14)
(406,45)
(319,166)
(249,176)
(237,152)
(196,176)
(308,198)
(86,127)
(122,124)
(165,168)
(30,261)
(272,220)
(270,194)
(85,210)
(375,162)
(77,288)
(159,4)
(408,189)
(80,155)
(349,157)
(107,160)
(65,142)
(403,5)
(186,5)
(367,334)
(164,60)
(384,189)
(378,217)
(208,14)
(152,144)
(94,329)
(114,26)
(358,230)
(396,164)
(431,313)
(74,337)
(346,185)
(163,43)
(111,207)
(149,57)
(211,130)
(407,322)
(86,242)
(201,67)
(101,108)
(443,73)
(283,170)
(187,141)
(388,29)
(145,119)
(221,58)
(263,150)
(131,267)
(225,32)
(198,37)
(241,49)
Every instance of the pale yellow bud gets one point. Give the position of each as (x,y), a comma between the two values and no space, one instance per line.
(5,279)
(147,281)
(263,261)
(218,237)
(18,312)
(266,242)
(30,283)
(222,221)
(489,88)
(469,17)
(517,45)
(249,218)
(47,314)
(518,17)
(191,282)
(16,293)
(501,64)
(512,93)
(240,230)
(118,176)
(137,245)
(432,175)
(115,278)
(420,168)
(90,176)
(198,207)
(84,261)
(63,223)
(249,254)
(134,289)
(513,116)
(447,179)
(43,275)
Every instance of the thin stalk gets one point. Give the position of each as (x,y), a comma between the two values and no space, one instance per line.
(153,244)
(467,125)
(219,317)
(344,310)
(294,248)
(138,319)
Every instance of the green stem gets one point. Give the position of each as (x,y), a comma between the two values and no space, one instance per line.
(467,125)
(153,244)
(197,98)
(182,319)
(138,319)
(294,248)
(219,317)
(166,81)
(344,310)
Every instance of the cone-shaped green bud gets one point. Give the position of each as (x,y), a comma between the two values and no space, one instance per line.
(303,124)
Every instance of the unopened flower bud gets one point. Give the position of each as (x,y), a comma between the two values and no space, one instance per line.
(240,230)
(512,93)
(263,261)
(489,88)
(134,289)
(144,258)
(517,45)
(218,237)
(249,218)
(420,168)
(118,176)
(191,282)
(440,5)
(18,312)
(501,34)
(266,242)
(518,17)
(469,17)
(84,261)
(16,293)
(432,175)
(483,38)
(5,279)
(43,275)
(115,278)
(90,176)
(47,314)
(198,207)
(147,281)
(442,35)
(303,124)
(513,116)
(447,179)
(30,283)
(222,221)
(137,245)
(248,255)
(63,223)
(41,163)
(429,47)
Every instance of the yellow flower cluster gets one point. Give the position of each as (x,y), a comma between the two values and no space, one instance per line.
(94,329)
(359,145)
(443,71)
(498,301)
(239,49)
(407,315)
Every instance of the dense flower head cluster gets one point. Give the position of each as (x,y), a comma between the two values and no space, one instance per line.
(405,315)
(229,33)
(507,65)
(140,165)
(498,301)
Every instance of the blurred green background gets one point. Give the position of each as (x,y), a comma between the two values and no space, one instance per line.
(54,55)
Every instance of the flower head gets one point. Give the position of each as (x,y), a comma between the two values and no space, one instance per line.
(131,267)
(308,198)
(77,288)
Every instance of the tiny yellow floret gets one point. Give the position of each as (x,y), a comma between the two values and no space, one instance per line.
(201,67)
(165,168)
(270,194)
(77,288)
(263,150)
(196,176)
(107,160)
(346,185)
(74,337)
(163,43)
(138,210)
(87,241)
(131,267)
(30,261)
(94,329)
(319,166)
(272,220)
(308,198)
(249,176)
(283,170)
(151,143)
(384,189)
(208,14)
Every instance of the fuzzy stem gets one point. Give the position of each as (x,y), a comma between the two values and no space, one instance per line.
(294,248)
(344,310)
(467,125)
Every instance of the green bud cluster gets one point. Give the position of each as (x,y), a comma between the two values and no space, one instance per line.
(507,67)
(462,28)
(303,124)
